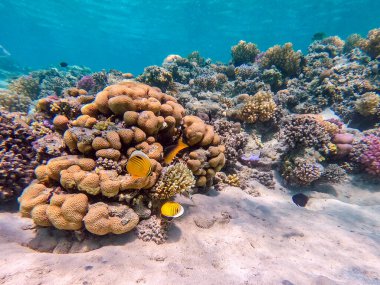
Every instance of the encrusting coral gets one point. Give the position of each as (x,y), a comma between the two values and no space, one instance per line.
(122,118)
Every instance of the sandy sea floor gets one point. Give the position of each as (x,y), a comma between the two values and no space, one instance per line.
(226,237)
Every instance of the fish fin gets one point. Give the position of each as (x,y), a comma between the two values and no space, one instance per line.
(182,144)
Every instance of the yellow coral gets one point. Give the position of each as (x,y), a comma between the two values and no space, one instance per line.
(368,104)
(177,179)
(260,107)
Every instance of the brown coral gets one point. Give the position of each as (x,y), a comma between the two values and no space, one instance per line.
(260,107)
(368,104)
(103,219)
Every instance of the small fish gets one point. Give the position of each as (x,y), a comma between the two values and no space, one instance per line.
(139,164)
(171,210)
(300,199)
(172,151)
(63,64)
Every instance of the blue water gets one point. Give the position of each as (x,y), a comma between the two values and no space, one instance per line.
(129,35)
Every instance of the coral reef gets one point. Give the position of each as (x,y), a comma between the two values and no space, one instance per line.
(17,157)
(100,134)
(244,52)
(284,58)
(153,229)
(371,45)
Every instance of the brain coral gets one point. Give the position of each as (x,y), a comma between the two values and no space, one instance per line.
(122,118)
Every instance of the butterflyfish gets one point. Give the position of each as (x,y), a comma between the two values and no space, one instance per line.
(139,164)
(171,152)
(171,210)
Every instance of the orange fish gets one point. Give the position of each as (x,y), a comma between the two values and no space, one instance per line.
(139,164)
(172,151)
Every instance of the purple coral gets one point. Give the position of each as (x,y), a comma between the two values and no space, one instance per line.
(86,83)
(370,158)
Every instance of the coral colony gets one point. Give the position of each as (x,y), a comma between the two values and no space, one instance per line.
(103,153)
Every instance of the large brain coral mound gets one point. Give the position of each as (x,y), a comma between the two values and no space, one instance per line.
(259,107)
(123,118)
(244,52)
(371,45)
(284,58)
(157,76)
(17,156)
(368,104)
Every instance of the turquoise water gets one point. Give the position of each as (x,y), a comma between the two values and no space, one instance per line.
(129,35)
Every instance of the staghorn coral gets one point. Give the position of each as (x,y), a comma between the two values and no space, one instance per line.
(284,58)
(153,229)
(176,179)
(244,52)
(368,104)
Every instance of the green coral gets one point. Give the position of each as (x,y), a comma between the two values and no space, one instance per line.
(177,179)
(244,52)
(284,58)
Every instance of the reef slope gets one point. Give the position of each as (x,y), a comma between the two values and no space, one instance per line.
(232,238)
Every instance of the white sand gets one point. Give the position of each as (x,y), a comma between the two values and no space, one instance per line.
(231,238)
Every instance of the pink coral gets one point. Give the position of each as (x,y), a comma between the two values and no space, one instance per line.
(371,155)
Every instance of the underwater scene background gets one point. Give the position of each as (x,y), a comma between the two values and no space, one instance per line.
(189,142)
(131,35)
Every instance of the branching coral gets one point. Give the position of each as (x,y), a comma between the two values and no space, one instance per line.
(153,229)
(368,150)
(301,171)
(176,179)
(260,107)
(17,157)
(27,86)
(14,102)
(368,104)
(371,45)
(244,52)
(283,58)
(157,76)
(304,131)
